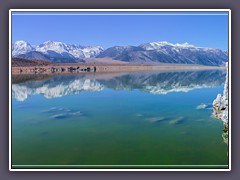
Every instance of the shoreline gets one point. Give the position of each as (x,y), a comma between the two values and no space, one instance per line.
(83,68)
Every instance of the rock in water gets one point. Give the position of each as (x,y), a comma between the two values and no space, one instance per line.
(201,106)
(178,120)
(204,106)
(139,115)
(156,119)
(220,107)
(59,116)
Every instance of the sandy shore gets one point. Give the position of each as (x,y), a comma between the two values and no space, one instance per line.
(107,68)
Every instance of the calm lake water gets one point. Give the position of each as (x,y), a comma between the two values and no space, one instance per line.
(138,118)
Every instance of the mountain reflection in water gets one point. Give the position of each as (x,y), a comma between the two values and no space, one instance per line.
(25,86)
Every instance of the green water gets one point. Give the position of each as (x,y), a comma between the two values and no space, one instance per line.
(132,119)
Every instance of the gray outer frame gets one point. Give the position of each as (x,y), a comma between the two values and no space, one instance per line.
(91,4)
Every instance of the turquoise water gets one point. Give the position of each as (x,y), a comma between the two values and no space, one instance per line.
(141,118)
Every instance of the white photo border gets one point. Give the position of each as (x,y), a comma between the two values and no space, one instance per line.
(105,168)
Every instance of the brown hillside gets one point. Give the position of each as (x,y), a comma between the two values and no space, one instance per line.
(20,62)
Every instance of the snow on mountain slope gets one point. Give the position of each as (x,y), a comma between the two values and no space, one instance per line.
(56,49)
(64,49)
(154,52)
(158,45)
(21,47)
(165,52)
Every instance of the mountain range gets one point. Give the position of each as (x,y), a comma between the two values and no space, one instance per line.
(148,53)
(54,51)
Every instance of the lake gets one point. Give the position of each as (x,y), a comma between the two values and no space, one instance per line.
(117,120)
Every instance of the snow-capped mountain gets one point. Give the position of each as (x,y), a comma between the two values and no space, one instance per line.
(158,45)
(165,52)
(150,53)
(54,51)
(75,51)
(21,47)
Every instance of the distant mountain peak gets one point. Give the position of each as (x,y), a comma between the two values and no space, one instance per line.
(54,50)
(186,44)
(53,42)
(21,42)
(165,43)
(160,43)
(21,47)
(150,53)
(166,52)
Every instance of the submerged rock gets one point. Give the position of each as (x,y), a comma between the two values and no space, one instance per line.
(204,106)
(220,108)
(160,119)
(139,115)
(59,116)
(66,115)
(178,120)
(56,110)
(156,119)
(62,113)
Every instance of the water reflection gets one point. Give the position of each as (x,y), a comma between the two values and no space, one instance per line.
(49,86)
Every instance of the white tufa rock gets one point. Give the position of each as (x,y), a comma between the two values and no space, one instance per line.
(220,108)
(220,104)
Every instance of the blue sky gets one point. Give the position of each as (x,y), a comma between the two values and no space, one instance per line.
(110,30)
